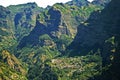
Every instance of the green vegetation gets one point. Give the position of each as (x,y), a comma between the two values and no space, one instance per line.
(37,55)
(63,42)
(38,38)
(67,68)
(16,8)
(83,11)
(11,67)
(45,37)
(7,73)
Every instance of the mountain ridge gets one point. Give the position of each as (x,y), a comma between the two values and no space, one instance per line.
(76,40)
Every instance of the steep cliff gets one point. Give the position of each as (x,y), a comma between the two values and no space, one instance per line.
(101,35)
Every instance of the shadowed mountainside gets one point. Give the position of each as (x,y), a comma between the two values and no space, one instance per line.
(101,33)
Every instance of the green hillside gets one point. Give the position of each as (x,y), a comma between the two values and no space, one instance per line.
(77,40)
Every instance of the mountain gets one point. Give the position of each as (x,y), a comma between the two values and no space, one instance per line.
(24,18)
(54,30)
(7,38)
(59,23)
(16,21)
(101,2)
(77,40)
(101,35)
(52,34)
(78,3)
